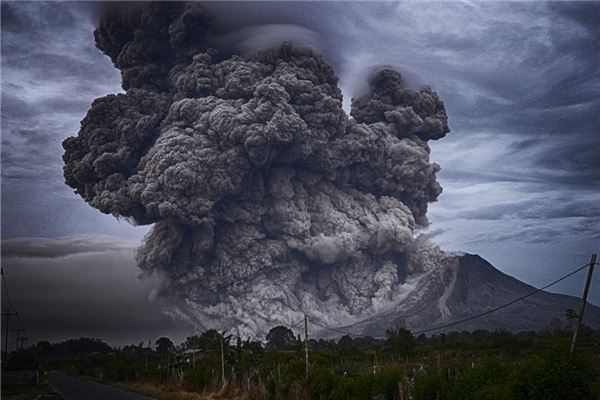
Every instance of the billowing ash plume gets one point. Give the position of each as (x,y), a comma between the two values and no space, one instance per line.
(267,200)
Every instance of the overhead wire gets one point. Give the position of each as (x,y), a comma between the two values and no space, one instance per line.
(498,308)
(5,289)
(472,317)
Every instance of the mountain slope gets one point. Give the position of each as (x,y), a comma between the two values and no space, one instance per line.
(470,287)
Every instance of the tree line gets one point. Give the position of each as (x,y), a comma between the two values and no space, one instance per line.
(457,365)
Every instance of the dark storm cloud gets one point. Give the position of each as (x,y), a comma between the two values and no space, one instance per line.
(561,113)
(14,107)
(533,76)
(47,66)
(540,209)
(43,85)
(546,231)
(50,73)
(556,163)
(530,75)
(539,114)
(248,165)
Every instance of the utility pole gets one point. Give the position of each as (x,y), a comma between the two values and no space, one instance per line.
(222,363)
(7,316)
(22,340)
(586,289)
(306,344)
(168,364)
(147,355)
(18,333)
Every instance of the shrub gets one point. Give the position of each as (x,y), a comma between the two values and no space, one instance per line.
(489,380)
(429,385)
(557,376)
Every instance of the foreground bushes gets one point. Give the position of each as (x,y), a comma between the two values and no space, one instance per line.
(556,376)
(460,366)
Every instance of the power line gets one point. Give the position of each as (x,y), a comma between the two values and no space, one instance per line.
(5,289)
(493,310)
(10,305)
(345,332)
(297,323)
(472,317)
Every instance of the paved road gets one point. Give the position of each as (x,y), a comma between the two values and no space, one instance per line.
(71,388)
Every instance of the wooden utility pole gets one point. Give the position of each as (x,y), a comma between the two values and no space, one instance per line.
(18,333)
(168,363)
(147,355)
(586,289)
(22,340)
(306,343)
(222,363)
(7,316)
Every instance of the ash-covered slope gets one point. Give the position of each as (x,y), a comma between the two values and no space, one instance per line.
(469,287)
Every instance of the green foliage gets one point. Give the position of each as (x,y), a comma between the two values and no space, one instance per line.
(207,341)
(79,346)
(556,376)
(386,383)
(483,381)
(507,366)
(429,385)
(201,375)
(119,371)
(295,371)
(281,338)
(164,345)
(322,381)
(21,361)
(401,341)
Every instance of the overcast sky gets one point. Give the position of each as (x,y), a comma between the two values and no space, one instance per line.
(520,168)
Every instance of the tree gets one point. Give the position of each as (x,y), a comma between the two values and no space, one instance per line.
(555,326)
(281,338)
(43,348)
(400,340)
(164,345)
(571,316)
(346,343)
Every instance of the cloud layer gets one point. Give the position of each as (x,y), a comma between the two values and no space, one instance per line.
(83,286)
(36,247)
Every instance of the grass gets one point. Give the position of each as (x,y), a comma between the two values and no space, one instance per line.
(37,392)
(174,392)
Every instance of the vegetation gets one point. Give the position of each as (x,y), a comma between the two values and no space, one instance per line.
(449,366)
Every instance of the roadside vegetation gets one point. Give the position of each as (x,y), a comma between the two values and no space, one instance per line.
(451,366)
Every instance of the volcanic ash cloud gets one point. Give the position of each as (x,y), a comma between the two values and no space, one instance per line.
(268,201)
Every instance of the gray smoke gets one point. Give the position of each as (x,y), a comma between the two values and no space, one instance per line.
(268,201)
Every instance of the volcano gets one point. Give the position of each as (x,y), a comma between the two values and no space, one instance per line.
(469,287)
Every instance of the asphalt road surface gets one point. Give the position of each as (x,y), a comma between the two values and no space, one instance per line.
(71,388)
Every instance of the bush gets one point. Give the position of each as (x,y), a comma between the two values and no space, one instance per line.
(429,385)
(201,376)
(489,380)
(557,376)
(322,382)
(118,371)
